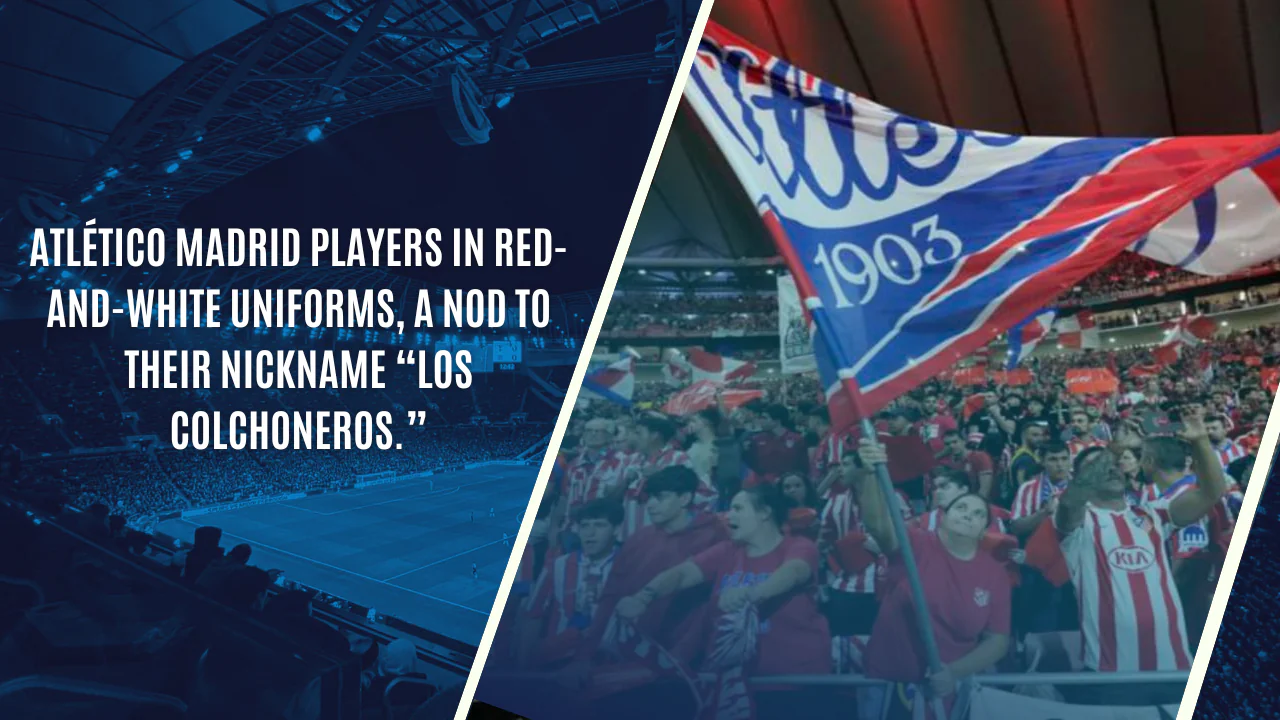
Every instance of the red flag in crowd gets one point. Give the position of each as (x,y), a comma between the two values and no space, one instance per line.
(702,395)
(717,368)
(1013,378)
(975,375)
(1141,371)
(1079,331)
(1091,381)
(1271,379)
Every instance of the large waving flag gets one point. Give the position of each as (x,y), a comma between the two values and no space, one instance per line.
(1024,336)
(1079,331)
(1186,331)
(914,244)
(718,368)
(615,382)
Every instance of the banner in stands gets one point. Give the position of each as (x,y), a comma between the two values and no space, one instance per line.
(989,704)
(1091,381)
(1271,379)
(795,345)
(702,394)
(1013,378)
(243,504)
(965,377)
(380,481)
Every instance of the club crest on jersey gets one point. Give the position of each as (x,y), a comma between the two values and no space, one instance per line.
(981,597)
(1193,537)
(1131,559)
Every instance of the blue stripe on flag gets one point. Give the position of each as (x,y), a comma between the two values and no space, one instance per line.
(606,393)
(1206,208)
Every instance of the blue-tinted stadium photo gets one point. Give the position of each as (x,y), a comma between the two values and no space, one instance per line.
(186,551)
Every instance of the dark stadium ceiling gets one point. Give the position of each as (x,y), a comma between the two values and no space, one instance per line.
(1138,68)
(128,110)
(118,90)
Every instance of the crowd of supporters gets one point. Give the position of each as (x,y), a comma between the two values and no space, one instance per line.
(654,314)
(1054,531)
(647,314)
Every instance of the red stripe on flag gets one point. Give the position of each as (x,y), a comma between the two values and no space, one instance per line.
(1269,173)
(1029,297)
(1146,170)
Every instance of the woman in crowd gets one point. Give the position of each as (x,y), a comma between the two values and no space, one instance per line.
(804,506)
(772,573)
(1137,487)
(967,592)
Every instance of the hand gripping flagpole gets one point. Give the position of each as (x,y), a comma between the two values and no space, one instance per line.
(923,620)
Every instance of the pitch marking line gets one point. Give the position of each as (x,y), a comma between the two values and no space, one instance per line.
(352,573)
(455,555)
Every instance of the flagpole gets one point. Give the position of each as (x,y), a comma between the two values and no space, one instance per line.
(923,620)
(823,325)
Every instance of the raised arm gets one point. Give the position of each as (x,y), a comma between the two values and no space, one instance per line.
(1073,501)
(1211,483)
(872,502)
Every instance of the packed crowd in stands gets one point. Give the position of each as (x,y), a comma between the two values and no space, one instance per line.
(1128,271)
(641,314)
(760,529)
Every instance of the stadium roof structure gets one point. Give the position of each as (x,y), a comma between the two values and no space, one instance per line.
(1053,67)
(126,110)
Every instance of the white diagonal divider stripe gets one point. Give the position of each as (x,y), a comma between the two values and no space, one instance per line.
(588,347)
(1239,538)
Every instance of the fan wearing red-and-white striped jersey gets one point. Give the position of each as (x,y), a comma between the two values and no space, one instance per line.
(854,562)
(1081,434)
(594,473)
(1035,501)
(1131,616)
(567,593)
(1228,450)
(654,438)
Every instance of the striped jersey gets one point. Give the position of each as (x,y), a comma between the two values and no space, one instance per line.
(840,517)
(1131,616)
